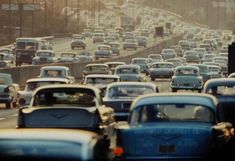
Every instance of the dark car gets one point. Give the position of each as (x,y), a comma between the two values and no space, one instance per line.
(69,106)
(171,127)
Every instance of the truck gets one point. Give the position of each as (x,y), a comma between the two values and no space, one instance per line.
(127,23)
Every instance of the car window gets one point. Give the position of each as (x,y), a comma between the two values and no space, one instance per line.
(54,73)
(100,80)
(127,71)
(174,112)
(187,72)
(44,54)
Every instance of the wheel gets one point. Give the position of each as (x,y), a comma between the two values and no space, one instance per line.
(199,91)
(174,90)
(14,104)
(8,105)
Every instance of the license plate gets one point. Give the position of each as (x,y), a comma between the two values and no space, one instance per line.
(167,148)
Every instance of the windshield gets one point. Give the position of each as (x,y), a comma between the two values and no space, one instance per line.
(139,61)
(127,71)
(172,112)
(191,72)
(162,66)
(100,80)
(46,54)
(129,91)
(68,55)
(103,48)
(26,45)
(54,73)
(96,68)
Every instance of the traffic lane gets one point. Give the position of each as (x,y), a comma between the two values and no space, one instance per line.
(8,118)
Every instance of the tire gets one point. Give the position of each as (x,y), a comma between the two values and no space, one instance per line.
(8,105)
(14,104)
(174,90)
(199,91)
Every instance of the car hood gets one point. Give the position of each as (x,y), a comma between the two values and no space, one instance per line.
(168,139)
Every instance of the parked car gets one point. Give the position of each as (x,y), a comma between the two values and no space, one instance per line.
(103,51)
(44,57)
(130,44)
(85,56)
(8,91)
(96,69)
(67,57)
(56,72)
(129,73)
(50,145)
(24,97)
(161,70)
(112,65)
(71,107)
(188,78)
(120,95)
(168,53)
(160,128)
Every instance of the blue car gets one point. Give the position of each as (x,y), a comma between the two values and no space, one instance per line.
(171,127)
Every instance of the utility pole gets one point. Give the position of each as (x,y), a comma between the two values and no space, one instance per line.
(9,22)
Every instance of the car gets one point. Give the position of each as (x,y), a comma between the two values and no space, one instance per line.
(96,69)
(100,81)
(44,57)
(156,57)
(184,44)
(98,37)
(78,43)
(109,39)
(223,90)
(84,56)
(56,72)
(129,73)
(200,51)
(192,59)
(9,54)
(168,53)
(204,71)
(48,144)
(87,34)
(231,75)
(120,95)
(112,65)
(208,57)
(115,47)
(161,70)
(67,57)
(142,41)
(103,51)
(24,97)
(215,71)
(186,77)
(8,91)
(69,106)
(130,44)
(143,63)
(160,128)
(4,61)
(175,61)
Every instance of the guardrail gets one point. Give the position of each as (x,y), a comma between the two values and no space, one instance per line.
(21,74)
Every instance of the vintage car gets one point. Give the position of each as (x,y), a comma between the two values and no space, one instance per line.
(161,70)
(8,91)
(156,57)
(120,95)
(67,57)
(175,61)
(200,52)
(168,53)
(184,127)
(56,72)
(78,43)
(9,54)
(44,57)
(69,106)
(215,71)
(84,56)
(142,41)
(192,59)
(130,44)
(204,71)
(186,77)
(112,65)
(4,61)
(143,63)
(100,80)
(129,73)
(103,51)
(96,69)
(24,97)
(50,145)
(224,90)
(98,37)
(115,47)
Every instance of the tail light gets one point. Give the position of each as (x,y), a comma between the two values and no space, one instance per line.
(6,89)
(118,151)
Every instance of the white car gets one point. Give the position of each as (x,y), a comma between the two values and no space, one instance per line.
(168,53)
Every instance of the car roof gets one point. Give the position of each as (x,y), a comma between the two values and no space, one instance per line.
(54,67)
(88,65)
(101,76)
(128,66)
(115,62)
(179,98)
(47,80)
(78,136)
(218,82)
